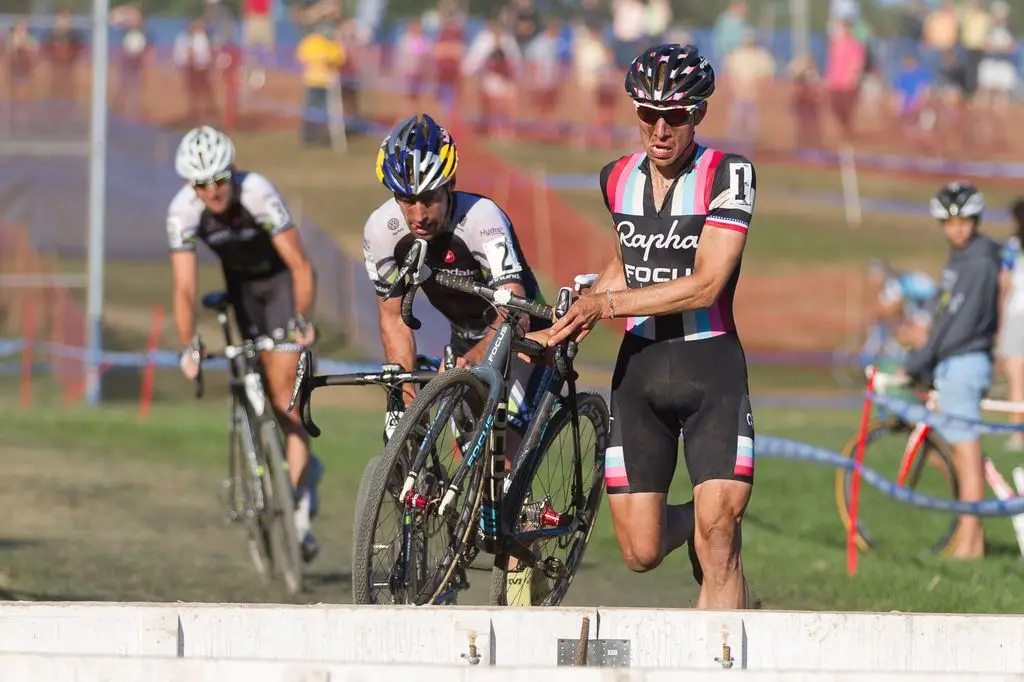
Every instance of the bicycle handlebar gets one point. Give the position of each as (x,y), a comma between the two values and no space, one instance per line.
(501,297)
(884,381)
(230,352)
(306,384)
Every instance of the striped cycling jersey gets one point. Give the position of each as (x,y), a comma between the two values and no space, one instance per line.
(715,190)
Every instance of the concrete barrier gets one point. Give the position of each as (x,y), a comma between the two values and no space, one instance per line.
(26,667)
(651,638)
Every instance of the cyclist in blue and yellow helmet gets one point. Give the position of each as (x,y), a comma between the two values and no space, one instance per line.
(467,235)
(417,162)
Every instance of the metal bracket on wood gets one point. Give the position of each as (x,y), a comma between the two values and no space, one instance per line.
(598,653)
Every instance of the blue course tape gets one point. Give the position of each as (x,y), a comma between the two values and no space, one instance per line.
(771,446)
(916,413)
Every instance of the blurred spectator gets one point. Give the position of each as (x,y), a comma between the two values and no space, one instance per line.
(525,22)
(219,22)
(844,9)
(350,35)
(599,81)
(949,100)
(941,32)
(629,25)
(449,49)
(589,12)
(412,60)
(136,55)
(997,73)
(843,72)
(309,14)
(728,31)
(493,58)
(321,58)
(659,18)
(257,40)
(751,68)
(193,55)
(63,48)
(1010,348)
(20,55)
(974,29)
(911,89)
(806,103)
(368,17)
(911,28)
(543,69)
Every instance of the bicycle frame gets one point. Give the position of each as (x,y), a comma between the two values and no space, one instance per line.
(494,521)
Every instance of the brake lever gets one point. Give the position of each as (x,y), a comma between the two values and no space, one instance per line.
(197,356)
(564,354)
(302,392)
(300,378)
(413,263)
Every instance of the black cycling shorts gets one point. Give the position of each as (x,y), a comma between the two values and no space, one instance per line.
(661,389)
(263,307)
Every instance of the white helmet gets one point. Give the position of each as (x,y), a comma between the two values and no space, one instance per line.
(204,154)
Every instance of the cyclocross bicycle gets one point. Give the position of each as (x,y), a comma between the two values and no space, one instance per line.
(925,465)
(257,491)
(454,491)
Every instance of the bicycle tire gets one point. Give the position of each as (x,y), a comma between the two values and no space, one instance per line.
(395,454)
(280,498)
(257,533)
(362,544)
(934,445)
(593,408)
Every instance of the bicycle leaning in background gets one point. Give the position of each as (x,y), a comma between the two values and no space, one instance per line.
(257,491)
(443,475)
(925,464)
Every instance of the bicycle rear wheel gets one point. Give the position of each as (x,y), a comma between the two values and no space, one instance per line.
(893,524)
(546,484)
(280,507)
(437,542)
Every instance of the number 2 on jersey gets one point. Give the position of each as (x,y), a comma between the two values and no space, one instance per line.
(500,259)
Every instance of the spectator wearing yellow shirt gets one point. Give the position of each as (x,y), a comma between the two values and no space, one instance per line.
(974,29)
(321,56)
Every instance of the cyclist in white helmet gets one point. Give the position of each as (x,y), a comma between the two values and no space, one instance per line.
(269,279)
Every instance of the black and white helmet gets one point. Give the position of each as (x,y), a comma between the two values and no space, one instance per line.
(205,154)
(957,199)
(670,75)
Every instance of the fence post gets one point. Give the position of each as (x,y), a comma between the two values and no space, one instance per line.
(28,340)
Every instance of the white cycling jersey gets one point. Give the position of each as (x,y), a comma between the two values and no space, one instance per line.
(242,235)
(480,244)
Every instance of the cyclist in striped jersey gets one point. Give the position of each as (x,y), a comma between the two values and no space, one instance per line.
(681,213)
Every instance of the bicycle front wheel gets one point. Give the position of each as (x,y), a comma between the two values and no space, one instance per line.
(883,522)
(448,410)
(245,493)
(556,487)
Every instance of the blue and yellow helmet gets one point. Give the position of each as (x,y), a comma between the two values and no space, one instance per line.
(417,156)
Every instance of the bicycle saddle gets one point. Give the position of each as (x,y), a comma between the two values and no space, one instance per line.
(216,300)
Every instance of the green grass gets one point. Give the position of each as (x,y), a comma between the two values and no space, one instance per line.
(793,540)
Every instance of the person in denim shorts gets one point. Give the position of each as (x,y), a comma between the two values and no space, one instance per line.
(958,354)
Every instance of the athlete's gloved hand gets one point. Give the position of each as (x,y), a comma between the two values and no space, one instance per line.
(191,357)
(302,330)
